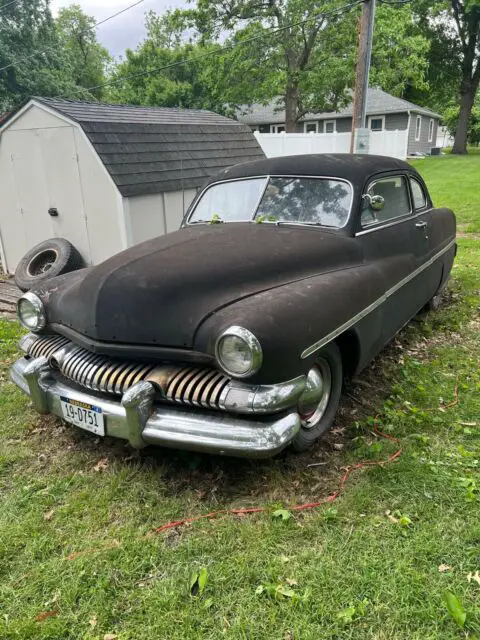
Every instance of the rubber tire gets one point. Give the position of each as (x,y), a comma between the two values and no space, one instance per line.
(68,259)
(306,437)
(436,301)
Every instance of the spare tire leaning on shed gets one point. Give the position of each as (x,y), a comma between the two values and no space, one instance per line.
(46,260)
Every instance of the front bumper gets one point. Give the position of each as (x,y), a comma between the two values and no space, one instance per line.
(137,419)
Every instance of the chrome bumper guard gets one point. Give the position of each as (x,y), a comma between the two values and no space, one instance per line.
(137,419)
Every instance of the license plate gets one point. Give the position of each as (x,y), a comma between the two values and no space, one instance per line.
(83,415)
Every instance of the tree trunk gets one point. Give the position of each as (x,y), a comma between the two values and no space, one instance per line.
(467,98)
(291,107)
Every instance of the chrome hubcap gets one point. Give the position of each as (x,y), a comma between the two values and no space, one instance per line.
(314,400)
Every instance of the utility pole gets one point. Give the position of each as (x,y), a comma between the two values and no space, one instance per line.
(359,142)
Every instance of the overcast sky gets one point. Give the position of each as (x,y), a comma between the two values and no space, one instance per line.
(124,31)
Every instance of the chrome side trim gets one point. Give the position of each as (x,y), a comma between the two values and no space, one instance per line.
(359,316)
(399,220)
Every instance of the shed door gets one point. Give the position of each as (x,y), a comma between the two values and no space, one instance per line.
(46,175)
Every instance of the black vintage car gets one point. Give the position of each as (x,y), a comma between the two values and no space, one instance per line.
(233,334)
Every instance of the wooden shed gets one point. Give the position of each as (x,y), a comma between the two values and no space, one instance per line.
(106,177)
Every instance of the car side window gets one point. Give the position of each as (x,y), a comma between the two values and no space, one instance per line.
(418,194)
(396,201)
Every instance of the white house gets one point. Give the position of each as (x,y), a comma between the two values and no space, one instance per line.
(106,176)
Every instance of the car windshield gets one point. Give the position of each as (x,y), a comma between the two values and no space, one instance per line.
(318,201)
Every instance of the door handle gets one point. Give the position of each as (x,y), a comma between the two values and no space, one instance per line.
(421,224)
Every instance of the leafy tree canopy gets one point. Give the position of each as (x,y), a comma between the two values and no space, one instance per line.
(300,52)
(38,57)
(453,29)
(87,59)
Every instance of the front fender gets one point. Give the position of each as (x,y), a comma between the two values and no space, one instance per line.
(291,318)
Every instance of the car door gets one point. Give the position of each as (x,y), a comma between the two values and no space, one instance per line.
(431,232)
(387,239)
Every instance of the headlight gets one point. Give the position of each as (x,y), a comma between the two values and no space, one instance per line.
(239,352)
(31,312)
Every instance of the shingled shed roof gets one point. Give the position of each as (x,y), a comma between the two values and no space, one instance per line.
(153,149)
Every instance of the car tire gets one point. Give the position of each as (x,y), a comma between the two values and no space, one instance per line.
(329,360)
(46,260)
(436,301)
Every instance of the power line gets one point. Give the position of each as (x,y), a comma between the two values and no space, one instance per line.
(139,74)
(394,2)
(80,33)
(4,6)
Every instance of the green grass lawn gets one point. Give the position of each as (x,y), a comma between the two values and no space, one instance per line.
(454,181)
(78,558)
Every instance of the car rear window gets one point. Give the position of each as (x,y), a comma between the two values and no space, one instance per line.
(317,201)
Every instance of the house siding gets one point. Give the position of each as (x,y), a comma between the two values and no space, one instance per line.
(343,125)
(394,121)
(422,145)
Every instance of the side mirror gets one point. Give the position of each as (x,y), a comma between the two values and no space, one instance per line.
(376,203)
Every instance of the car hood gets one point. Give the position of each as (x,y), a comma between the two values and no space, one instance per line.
(159,292)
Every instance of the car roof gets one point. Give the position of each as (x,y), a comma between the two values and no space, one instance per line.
(354,167)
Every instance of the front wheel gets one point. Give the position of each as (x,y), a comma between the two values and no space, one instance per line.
(319,402)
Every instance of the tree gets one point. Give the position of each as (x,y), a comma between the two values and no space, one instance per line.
(32,60)
(307,62)
(450,118)
(400,51)
(310,62)
(87,58)
(453,26)
(300,53)
(137,80)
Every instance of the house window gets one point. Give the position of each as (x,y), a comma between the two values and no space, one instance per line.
(310,127)
(418,128)
(377,123)
(277,128)
(431,126)
(330,126)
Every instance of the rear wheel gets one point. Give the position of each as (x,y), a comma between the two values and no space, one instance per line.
(436,301)
(319,402)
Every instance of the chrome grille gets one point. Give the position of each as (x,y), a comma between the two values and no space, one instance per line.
(45,346)
(202,387)
(198,387)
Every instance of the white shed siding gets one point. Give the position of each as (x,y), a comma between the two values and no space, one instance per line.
(45,161)
(36,118)
(154,215)
(176,204)
(147,217)
(14,242)
(102,204)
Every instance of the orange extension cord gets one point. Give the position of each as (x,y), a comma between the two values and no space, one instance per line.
(309,505)
(297,507)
